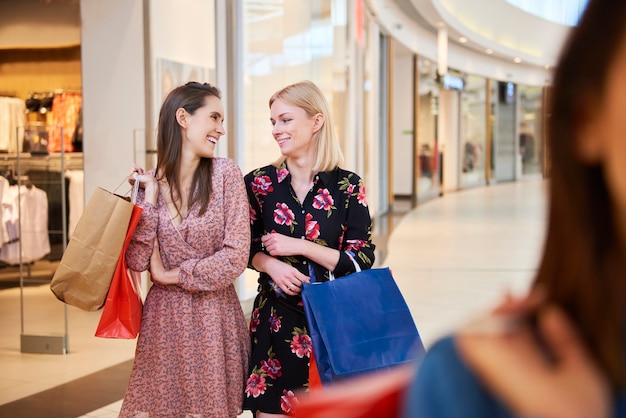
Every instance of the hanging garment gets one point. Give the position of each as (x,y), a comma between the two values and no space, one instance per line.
(65,108)
(5,202)
(33,234)
(12,122)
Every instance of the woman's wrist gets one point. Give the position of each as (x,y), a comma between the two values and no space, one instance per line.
(151,193)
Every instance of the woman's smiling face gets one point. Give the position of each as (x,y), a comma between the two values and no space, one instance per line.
(204,127)
(293,129)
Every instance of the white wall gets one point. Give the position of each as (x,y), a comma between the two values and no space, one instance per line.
(504,28)
(113,89)
(423,42)
(371,174)
(403,87)
(181,32)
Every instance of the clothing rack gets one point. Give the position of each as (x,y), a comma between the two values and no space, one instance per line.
(70,90)
(56,161)
(44,93)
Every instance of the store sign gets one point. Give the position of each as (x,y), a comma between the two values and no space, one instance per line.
(452,83)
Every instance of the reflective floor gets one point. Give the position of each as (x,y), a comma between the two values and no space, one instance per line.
(452,257)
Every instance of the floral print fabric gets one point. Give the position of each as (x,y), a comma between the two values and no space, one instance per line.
(193,348)
(334,214)
(65,109)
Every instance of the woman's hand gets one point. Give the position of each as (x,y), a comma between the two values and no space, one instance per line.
(281,245)
(148,183)
(158,274)
(286,277)
(553,380)
(135,172)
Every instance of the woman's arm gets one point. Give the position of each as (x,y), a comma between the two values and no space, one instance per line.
(282,245)
(141,245)
(356,241)
(357,246)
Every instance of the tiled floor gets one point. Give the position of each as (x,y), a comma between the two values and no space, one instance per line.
(452,258)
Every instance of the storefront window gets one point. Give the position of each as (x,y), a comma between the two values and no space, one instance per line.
(428,150)
(530,129)
(473,131)
(284,43)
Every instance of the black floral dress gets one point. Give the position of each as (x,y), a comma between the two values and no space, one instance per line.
(335,214)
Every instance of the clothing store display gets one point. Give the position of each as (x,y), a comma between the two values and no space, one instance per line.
(33,103)
(65,109)
(121,315)
(32,210)
(35,140)
(41,194)
(84,274)
(77,138)
(12,122)
(46,103)
(360,323)
(6,203)
(50,181)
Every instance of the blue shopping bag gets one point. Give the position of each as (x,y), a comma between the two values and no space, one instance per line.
(360,323)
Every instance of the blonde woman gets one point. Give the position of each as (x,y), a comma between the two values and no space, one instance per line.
(309,218)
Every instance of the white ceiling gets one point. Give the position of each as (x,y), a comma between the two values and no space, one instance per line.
(495,25)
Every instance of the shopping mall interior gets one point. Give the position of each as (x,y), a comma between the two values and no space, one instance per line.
(440,106)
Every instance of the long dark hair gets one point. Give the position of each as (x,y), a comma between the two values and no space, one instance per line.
(582,268)
(190,97)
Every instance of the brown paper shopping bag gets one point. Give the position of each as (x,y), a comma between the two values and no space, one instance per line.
(84,274)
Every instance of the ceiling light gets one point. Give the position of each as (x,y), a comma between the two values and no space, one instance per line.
(463,39)
(517,60)
(489,51)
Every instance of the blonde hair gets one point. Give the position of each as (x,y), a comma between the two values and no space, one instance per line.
(307,96)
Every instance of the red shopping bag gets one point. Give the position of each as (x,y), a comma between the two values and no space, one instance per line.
(121,316)
(377,395)
(315,382)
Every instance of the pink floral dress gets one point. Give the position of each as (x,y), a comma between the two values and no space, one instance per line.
(192,351)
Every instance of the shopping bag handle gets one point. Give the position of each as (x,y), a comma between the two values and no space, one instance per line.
(134,190)
(133,195)
(331,276)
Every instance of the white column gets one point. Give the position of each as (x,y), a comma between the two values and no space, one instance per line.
(448,126)
(113,85)
(442,51)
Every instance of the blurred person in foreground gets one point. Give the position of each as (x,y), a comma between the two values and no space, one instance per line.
(561,350)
